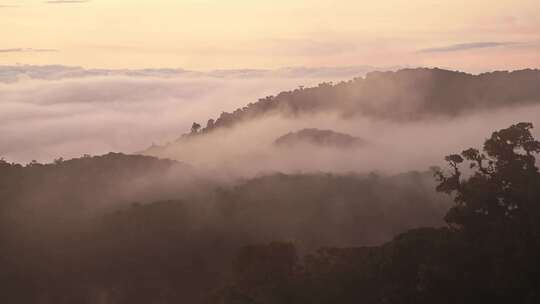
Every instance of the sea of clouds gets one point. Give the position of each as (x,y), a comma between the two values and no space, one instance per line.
(391,147)
(47,112)
(55,111)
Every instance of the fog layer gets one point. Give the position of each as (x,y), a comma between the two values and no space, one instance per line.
(390,147)
(56,111)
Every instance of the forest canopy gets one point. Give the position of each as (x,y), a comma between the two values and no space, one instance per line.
(282,238)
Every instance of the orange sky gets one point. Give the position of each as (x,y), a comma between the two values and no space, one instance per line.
(210,34)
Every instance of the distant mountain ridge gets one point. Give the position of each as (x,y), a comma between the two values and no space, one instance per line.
(404,95)
(13,73)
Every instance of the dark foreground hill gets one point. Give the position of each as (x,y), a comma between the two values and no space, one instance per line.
(256,240)
(132,229)
(487,254)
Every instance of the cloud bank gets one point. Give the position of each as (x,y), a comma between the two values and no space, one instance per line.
(391,147)
(57,111)
(13,73)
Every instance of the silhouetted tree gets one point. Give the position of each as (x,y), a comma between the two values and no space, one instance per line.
(195,127)
(210,124)
(502,186)
(497,210)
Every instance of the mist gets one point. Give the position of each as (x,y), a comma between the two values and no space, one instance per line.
(391,147)
(167,217)
(55,111)
(269,152)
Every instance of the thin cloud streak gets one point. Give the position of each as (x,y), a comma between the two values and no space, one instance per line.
(22,50)
(464,46)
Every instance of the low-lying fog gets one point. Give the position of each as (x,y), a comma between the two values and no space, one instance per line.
(391,147)
(55,111)
(62,112)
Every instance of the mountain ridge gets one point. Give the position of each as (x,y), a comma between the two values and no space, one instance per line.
(410,94)
(429,82)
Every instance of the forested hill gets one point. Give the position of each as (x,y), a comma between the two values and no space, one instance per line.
(87,182)
(318,137)
(136,229)
(408,94)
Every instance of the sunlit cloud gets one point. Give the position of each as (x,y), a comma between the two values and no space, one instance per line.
(464,46)
(51,111)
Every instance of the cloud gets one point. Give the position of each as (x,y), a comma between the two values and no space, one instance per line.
(392,147)
(464,46)
(66,1)
(24,50)
(52,111)
(8,6)
(56,72)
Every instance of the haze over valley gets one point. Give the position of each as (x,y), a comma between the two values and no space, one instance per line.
(269,152)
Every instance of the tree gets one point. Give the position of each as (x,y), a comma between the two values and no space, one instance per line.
(503,184)
(264,273)
(210,124)
(497,207)
(195,127)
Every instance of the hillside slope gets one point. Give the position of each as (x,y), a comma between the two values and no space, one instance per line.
(408,94)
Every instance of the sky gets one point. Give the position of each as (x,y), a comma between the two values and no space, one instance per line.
(474,35)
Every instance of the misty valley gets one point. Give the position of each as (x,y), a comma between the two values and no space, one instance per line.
(413,185)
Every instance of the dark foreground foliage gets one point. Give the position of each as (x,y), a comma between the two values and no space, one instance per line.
(71,232)
(489,254)
(313,238)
